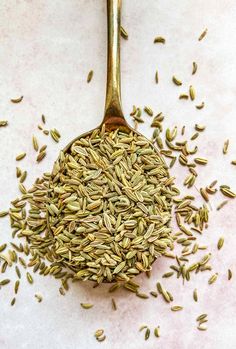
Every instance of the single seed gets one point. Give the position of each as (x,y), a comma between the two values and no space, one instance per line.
(35,143)
(227,192)
(43,119)
(86,305)
(90,76)
(124,33)
(5,282)
(176,308)
(3,213)
(147,334)
(229,274)
(18,273)
(201,317)
(17,284)
(113,303)
(157,331)
(13,301)
(159,40)
(192,93)
(99,333)
(183,96)
(226,146)
(38,297)
(20,156)
(200,161)
(220,243)
(148,110)
(194,136)
(3,123)
(220,206)
(194,70)
(41,156)
(233,162)
(202,328)
(29,278)
(167,275)
(213,279)
(101,339)
(17,100)
(200,128)
(200,106)
(157,77)
(195,295)
(203,34)
(176,81)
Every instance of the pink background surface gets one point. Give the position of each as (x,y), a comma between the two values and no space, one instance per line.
(46,51)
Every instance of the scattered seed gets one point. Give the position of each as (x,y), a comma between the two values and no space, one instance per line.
(176,81)
(203,34)
(229,274)
(17,284)
(200,161)
(176,308)
(221,205)
(157,331)
(156,77)
(183,96)
(194,70)
(147,334)
(227,192)
(35,143)
(213,278)
(86,305)
(200,128)
(29,278)
(20,156)
(5,282)
(3,123)
(159,40)
(13,301)
(90,76)
(226,146)
(148,110)
(200,106)
(192,93)
(38,297)
(3,214)
(17,100)
(124,33)
(195,295)
(220,243)
(114,307)
(41,156)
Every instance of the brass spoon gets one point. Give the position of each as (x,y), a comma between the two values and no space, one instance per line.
(113,116)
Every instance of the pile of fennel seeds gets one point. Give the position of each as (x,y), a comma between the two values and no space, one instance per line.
(191,219)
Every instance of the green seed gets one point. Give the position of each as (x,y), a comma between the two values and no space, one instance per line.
(200,161)
(183,96)
(3,123)
(20,156)
(229,274)
(35,143)
(157,331)
(194,70)
(13,301)
(220,243)
(124,33)
(200,106)
(203,34)
(86,305)
(3,213)
(38,297)
(176,81)
(195,295)
(192,93)
(213,279)
(5,282)
(17,284)
(90,76)
(29,278)
(167,275)
(148,110)
(176,308)
(227,192)
(201,317)
(159,40)
(147,334)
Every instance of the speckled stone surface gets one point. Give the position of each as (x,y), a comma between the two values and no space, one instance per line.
(46,51)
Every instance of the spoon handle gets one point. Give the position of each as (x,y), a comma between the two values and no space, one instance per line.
(113,116)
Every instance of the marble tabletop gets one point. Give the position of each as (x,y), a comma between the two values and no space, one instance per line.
(47,49)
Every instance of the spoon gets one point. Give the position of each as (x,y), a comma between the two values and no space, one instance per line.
(113,115)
